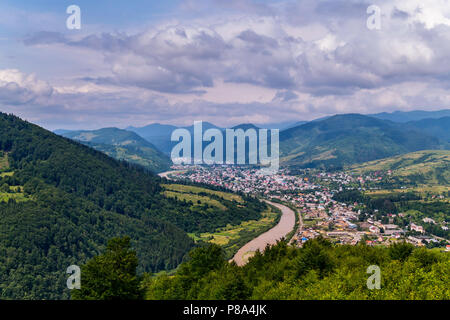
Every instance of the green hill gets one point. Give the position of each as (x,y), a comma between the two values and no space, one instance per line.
(73,199)
(319,270)
(347,139)
(422,167)
(123,145)
(439,128)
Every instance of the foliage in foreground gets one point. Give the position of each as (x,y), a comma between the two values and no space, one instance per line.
(111,275)
(319,270)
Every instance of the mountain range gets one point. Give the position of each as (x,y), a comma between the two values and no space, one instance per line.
(439,128)
(160,134)
(407,116)
(328,142)
(123,145)
(346,139)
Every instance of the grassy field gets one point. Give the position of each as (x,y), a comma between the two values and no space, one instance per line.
(18,197)
(234,237)
(4,164)
(197,190)
(7,174)
(426,167)
(420,161)
(196,199)
(422,190)
(231,238)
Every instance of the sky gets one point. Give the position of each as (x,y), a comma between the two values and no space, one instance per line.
(137,62)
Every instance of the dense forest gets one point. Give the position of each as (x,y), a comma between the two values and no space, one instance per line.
(60,202)
(318,270)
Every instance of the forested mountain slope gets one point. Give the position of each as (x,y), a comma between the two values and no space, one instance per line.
(347,139)
(439,128)
(61,201)
(123,145)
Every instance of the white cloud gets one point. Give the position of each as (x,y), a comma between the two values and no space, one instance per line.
(19,88)
(283,61)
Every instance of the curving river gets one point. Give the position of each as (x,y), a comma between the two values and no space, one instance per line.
(286,225)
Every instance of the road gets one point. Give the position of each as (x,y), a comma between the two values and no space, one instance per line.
(286,224)
(166,174)
(299,229)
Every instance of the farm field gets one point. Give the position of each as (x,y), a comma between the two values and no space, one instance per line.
(6,174)
(4,164)
(422,190)
(195,199)
(231,238)
(422,168)
(198,190)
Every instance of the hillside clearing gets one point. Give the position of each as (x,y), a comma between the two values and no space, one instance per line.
(4,163)
(198,190)
(195,199)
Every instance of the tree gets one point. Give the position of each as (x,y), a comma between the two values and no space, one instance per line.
(111,275)
(400,251)
(315,255)
(203,260)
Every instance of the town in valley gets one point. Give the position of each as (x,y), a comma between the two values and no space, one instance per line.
(315,196)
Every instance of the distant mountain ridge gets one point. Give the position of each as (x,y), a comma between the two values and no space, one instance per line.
(439,128)
(351,138)
(336,140)
(160,134)
(407,116)
(123,145)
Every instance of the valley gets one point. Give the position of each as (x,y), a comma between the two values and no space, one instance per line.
(269,238)
(61,201)
(346,207)
(93,197)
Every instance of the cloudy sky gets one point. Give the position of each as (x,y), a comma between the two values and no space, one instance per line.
(225,61)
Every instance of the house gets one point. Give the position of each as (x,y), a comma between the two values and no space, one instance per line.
(417,228)
(374,229)
(428,220)
(393,232)
(390,226)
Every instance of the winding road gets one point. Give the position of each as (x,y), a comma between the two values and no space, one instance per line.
(167,173)
(286,225)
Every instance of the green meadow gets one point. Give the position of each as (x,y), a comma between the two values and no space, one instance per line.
(231,238)
(198,190)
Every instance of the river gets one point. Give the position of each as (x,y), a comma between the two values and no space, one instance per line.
(284,226)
